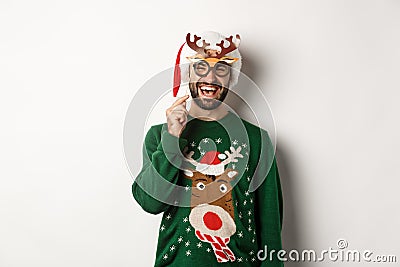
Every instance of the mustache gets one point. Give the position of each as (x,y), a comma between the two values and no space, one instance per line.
(209,84)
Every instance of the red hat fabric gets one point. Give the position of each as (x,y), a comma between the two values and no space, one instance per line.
(177,72)
(211,163)
(212,158)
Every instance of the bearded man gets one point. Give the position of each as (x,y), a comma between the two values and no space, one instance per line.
(198,166)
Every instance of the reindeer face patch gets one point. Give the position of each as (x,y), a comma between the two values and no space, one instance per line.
(212,189)
(212,213)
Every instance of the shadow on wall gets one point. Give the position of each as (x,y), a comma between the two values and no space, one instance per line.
(290,229)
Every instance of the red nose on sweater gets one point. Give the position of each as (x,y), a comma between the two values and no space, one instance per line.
(212,221)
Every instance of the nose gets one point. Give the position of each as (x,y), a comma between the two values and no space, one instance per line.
(210,78)
(212,221)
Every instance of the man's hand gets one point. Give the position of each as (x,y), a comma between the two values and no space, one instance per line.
(177,116)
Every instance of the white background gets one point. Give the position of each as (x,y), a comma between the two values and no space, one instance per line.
(69,69)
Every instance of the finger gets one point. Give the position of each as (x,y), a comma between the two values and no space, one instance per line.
(178,113)
(180,108)
(180,101)
(178,116)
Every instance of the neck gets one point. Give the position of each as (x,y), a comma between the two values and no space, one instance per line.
(207,115)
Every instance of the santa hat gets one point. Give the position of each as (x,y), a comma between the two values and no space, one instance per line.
(181,71)
(210,163)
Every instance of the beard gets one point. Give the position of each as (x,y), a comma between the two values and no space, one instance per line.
(204,102)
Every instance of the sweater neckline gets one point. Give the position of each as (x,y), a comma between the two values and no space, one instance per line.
(228,118)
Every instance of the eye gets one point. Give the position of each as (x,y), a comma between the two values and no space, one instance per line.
(221,69)
(200,186)
(223,188)
(201,65)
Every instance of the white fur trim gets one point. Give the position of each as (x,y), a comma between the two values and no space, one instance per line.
(210,169)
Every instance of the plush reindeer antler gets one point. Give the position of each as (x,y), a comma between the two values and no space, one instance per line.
(188,157)
(232,46)
(232,157)
(194,46)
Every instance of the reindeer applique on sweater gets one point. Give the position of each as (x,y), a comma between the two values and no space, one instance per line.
(212,209)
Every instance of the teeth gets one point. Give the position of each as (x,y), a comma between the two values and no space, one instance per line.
(208,88)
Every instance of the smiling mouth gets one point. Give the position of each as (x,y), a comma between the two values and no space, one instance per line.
(209,90)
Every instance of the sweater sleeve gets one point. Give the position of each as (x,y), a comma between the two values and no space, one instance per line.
(270,210)
(159,173)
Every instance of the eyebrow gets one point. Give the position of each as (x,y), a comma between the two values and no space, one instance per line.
(201,179)
(221,180)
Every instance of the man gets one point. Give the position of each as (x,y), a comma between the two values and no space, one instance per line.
(198,167)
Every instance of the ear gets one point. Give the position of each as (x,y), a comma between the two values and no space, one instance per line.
(231,173)
(188,173)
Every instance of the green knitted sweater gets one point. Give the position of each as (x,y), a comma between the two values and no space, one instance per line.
(201,182)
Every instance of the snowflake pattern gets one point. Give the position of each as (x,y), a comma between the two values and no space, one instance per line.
(189,245)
